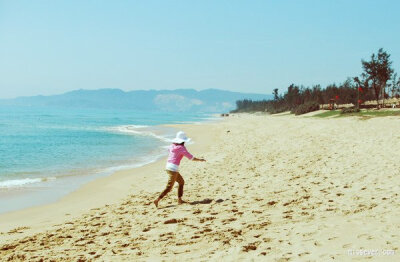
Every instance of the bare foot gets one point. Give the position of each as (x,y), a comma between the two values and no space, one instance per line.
(180,201)
(156,202)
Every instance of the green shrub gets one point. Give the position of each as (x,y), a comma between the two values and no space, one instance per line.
(349,110)
(305,108)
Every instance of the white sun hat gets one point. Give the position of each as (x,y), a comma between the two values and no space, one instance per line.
(180,138)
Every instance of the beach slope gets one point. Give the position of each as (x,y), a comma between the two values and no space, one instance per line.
(273,188)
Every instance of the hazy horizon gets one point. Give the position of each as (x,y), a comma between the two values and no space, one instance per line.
(127,91)
(50,48)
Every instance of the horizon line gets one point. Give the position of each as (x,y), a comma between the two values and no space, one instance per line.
(128,91)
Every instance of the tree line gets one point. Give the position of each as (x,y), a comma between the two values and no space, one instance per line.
(377,82)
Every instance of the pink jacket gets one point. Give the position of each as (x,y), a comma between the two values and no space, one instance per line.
(176,153)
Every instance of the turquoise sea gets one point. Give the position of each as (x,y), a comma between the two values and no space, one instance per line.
(46,153)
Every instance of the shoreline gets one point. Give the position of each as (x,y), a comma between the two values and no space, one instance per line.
(100,191)
(51,189)
(105,190)
(42,190)
(51,153)
(273,188)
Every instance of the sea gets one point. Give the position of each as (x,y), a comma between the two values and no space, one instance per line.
(46,153)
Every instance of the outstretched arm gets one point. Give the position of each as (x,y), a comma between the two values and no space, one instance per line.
(191,157)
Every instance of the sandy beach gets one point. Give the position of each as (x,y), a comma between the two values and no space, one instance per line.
(274,188)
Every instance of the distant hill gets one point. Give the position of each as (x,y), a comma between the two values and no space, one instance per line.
(184,100)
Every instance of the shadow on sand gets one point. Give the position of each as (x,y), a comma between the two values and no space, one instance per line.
(199,202)
(206,201)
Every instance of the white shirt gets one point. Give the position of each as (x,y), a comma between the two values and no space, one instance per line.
(172,167)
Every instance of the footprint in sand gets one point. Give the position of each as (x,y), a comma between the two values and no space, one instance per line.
(347,245)
(18,230)
(303,254)
(317,244)
(366,236)
(249,247)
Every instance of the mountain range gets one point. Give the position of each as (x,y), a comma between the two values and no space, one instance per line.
(179,100)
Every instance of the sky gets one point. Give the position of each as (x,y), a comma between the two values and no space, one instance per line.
(51,47)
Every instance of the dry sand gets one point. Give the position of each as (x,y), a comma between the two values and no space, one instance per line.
(274,188)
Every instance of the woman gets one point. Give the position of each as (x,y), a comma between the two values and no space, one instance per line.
(176,152)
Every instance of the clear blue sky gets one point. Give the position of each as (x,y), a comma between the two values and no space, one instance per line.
(50,47)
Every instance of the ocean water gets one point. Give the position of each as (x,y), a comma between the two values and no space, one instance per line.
(46,153)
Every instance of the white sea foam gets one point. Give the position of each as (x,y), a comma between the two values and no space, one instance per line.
(138,130)
(138,163)
(22,182)
(202,120)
